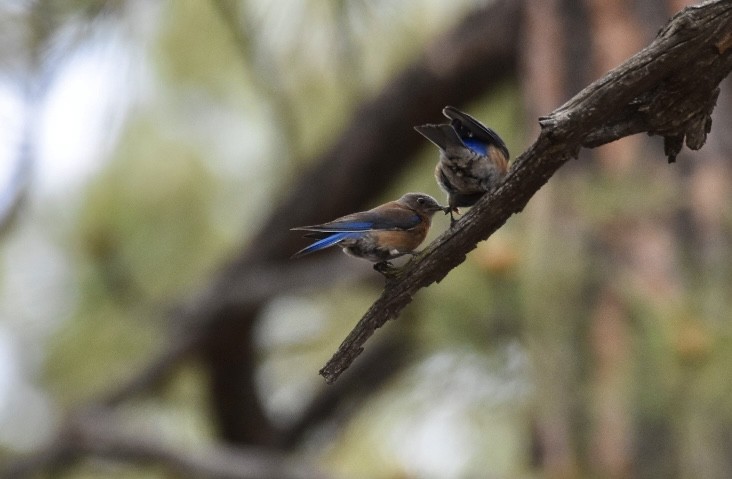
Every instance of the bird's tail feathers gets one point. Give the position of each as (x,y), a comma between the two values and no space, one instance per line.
(323,243)
(317,234)
(465,125)
(454,114)
(443,135)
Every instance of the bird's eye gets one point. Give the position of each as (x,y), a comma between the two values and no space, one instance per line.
(420,200)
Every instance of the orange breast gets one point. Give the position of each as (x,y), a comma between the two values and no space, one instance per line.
(498,159)
(403,241)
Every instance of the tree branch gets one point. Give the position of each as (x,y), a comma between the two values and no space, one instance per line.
(259,284)
(99,434)
(478,54)
(13,195)
(380,364)
(669,88)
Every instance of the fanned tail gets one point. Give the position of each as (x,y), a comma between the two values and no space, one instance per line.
(443,136)
(469,127)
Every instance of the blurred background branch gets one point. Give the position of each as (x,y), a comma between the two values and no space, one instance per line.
(11,197)
(219,322)
(175,144)
(97,435)
(681,107)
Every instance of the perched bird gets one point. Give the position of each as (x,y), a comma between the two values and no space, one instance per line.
(386,232)
(473,158)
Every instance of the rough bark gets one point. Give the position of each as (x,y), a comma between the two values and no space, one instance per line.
(475,56)
(660,90)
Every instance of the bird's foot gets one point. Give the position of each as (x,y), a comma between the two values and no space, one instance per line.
(450,210)
(386,268)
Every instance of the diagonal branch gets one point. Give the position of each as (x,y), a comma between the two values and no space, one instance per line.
(668,88)
(477,54)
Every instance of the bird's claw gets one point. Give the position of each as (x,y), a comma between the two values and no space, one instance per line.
(386,268)
(450,210)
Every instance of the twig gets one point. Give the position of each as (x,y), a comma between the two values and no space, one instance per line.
(668,88)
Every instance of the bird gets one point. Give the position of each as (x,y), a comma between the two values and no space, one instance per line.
(380,234)
(473,158)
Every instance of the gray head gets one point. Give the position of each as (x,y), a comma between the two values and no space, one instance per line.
(421,203)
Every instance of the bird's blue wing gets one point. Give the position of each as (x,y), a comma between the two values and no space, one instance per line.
(337,226)
(390,217)
(468,127)
(477,146)
(329,240)
(385,217)
(455,134)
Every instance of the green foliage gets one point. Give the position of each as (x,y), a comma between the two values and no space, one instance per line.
(147,219)
(242,95)
(196,51)
(145,234)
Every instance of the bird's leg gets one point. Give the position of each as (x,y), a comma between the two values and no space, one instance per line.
(451,209)
(386,268)
(448,211)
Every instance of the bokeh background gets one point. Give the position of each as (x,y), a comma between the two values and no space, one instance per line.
(153,156)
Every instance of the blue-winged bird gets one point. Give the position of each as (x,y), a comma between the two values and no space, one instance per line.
(380,234)
(473,158)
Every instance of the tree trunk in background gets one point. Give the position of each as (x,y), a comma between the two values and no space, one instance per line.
(611,398)
(702,429)
(549,334)
(231,357)
(610,449)
(704,424)
(615,35)
(606,405)
(625,281)
(465,62)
